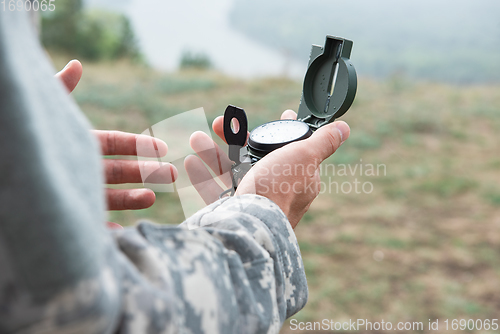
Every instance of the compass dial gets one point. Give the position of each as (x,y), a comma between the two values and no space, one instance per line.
(270,136)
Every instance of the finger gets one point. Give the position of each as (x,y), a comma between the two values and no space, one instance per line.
(212,155)
(218,127)
(218,123)
(129,171)
(71,74)
(202,180)
(124,143)
(129,199)
(288,114)
(325,141)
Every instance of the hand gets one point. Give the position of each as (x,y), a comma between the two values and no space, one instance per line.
(125,171)
(303,186)
(129,171)
(289,176)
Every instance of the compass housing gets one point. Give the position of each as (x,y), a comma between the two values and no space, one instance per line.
(328,92)
(329,89)
(273,135)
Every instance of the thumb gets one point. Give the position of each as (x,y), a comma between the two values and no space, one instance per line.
(70,74)
(326,140)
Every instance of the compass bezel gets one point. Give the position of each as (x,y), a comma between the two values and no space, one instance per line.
(275,129)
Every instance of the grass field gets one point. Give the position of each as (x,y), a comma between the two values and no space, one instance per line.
(422,244)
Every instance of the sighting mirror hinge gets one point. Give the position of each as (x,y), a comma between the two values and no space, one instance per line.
(314,122)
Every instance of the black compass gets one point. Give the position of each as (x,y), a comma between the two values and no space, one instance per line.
(328,92)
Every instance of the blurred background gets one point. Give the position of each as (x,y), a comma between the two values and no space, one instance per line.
(424,242)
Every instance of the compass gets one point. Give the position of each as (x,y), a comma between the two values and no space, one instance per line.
(328,92)
(276,134)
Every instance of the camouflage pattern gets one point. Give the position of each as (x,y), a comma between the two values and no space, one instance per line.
(233,267)
(240,272)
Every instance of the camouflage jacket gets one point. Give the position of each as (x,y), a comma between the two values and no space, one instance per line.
(234,267)
(235,271)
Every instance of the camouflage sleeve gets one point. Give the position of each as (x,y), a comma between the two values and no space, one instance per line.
(234,267)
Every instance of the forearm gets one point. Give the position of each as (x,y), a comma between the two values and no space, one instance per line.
(251,224)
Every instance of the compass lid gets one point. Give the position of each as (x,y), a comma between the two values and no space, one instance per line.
(329,84)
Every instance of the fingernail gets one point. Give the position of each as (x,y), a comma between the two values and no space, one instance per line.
(114,226)
(343,130)
(67,65)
